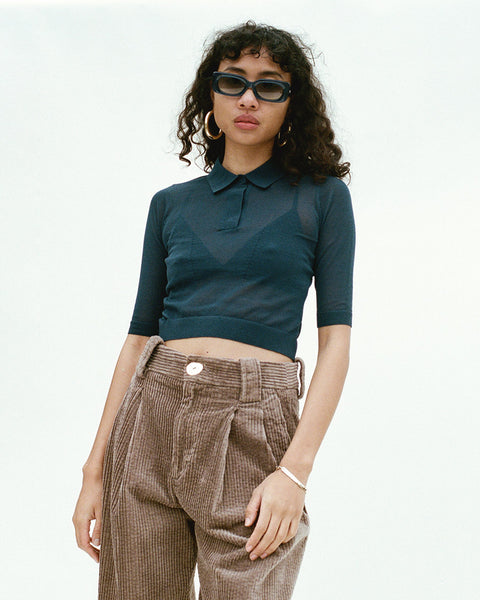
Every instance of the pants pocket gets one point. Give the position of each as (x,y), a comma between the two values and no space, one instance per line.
(280,420)
(122,441)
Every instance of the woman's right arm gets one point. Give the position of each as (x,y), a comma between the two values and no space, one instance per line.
(90,500)
(148,308)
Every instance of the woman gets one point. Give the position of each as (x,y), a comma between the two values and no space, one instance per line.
(201,457)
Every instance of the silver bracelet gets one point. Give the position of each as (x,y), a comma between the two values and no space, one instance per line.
(292,477)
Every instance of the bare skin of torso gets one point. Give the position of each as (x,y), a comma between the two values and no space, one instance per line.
(224,348)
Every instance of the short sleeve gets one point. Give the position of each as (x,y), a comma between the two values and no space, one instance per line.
(334,257)
(153,279)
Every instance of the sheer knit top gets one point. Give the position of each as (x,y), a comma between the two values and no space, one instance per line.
(233,256)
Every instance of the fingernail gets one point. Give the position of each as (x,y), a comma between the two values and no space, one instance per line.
(247,521)
(248,547)
(253,556)
(96,542)
(264,555)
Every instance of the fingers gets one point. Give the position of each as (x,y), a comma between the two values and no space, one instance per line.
(278,532)
(95,537)
(88,509)
(252,508)
(278,539)
(82,535)
(292,532)
(276,525)
(265,530)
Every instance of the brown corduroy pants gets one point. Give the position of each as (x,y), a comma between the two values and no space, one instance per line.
(193,437)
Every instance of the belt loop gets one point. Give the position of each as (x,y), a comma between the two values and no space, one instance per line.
(251,379)
(151,344)
(301,363)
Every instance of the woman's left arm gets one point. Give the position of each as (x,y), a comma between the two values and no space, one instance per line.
(279,500)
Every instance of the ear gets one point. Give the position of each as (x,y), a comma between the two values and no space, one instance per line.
(212,95)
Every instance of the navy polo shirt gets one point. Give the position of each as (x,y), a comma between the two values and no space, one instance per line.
(233,256)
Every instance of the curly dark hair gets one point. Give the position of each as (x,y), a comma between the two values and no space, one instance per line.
(310,147)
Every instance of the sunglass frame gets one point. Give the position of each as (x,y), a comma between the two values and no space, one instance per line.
(287,90)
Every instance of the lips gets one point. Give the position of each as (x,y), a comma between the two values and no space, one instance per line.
(247,119)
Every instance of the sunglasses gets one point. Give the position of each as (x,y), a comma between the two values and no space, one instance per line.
(270,90)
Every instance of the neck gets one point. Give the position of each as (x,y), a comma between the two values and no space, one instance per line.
(241,159)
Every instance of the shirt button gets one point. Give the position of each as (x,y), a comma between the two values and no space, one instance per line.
(194,367)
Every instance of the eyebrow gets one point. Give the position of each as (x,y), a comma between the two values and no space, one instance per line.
(261,74)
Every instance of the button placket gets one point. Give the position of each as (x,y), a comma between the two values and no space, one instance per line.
(234,204)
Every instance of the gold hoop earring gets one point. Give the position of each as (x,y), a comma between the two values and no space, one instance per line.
(281,144)
(208,133)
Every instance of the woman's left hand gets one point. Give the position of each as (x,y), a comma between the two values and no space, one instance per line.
(280,501)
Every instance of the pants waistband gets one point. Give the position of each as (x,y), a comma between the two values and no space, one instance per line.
(237,373)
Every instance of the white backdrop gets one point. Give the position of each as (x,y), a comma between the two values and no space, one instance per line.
(89,97)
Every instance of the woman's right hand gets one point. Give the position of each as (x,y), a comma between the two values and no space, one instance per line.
(88,508)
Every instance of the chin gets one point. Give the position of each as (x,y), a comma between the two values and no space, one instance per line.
(248,140)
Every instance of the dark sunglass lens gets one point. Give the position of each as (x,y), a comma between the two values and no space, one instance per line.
(230,85)
(270,90)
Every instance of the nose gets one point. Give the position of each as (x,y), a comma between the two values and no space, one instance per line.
(248,98)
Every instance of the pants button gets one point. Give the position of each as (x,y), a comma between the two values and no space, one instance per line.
(194,367)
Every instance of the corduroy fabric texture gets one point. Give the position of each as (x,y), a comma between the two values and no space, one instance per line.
(183,457)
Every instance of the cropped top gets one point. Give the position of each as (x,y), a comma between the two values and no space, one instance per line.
(233,256)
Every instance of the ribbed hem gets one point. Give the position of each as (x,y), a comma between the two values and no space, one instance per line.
(232,328)
(334,317)
(141,328)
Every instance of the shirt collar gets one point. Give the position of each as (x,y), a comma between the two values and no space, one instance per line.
(263,176)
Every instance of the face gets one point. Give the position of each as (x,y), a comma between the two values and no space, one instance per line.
(270,115)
